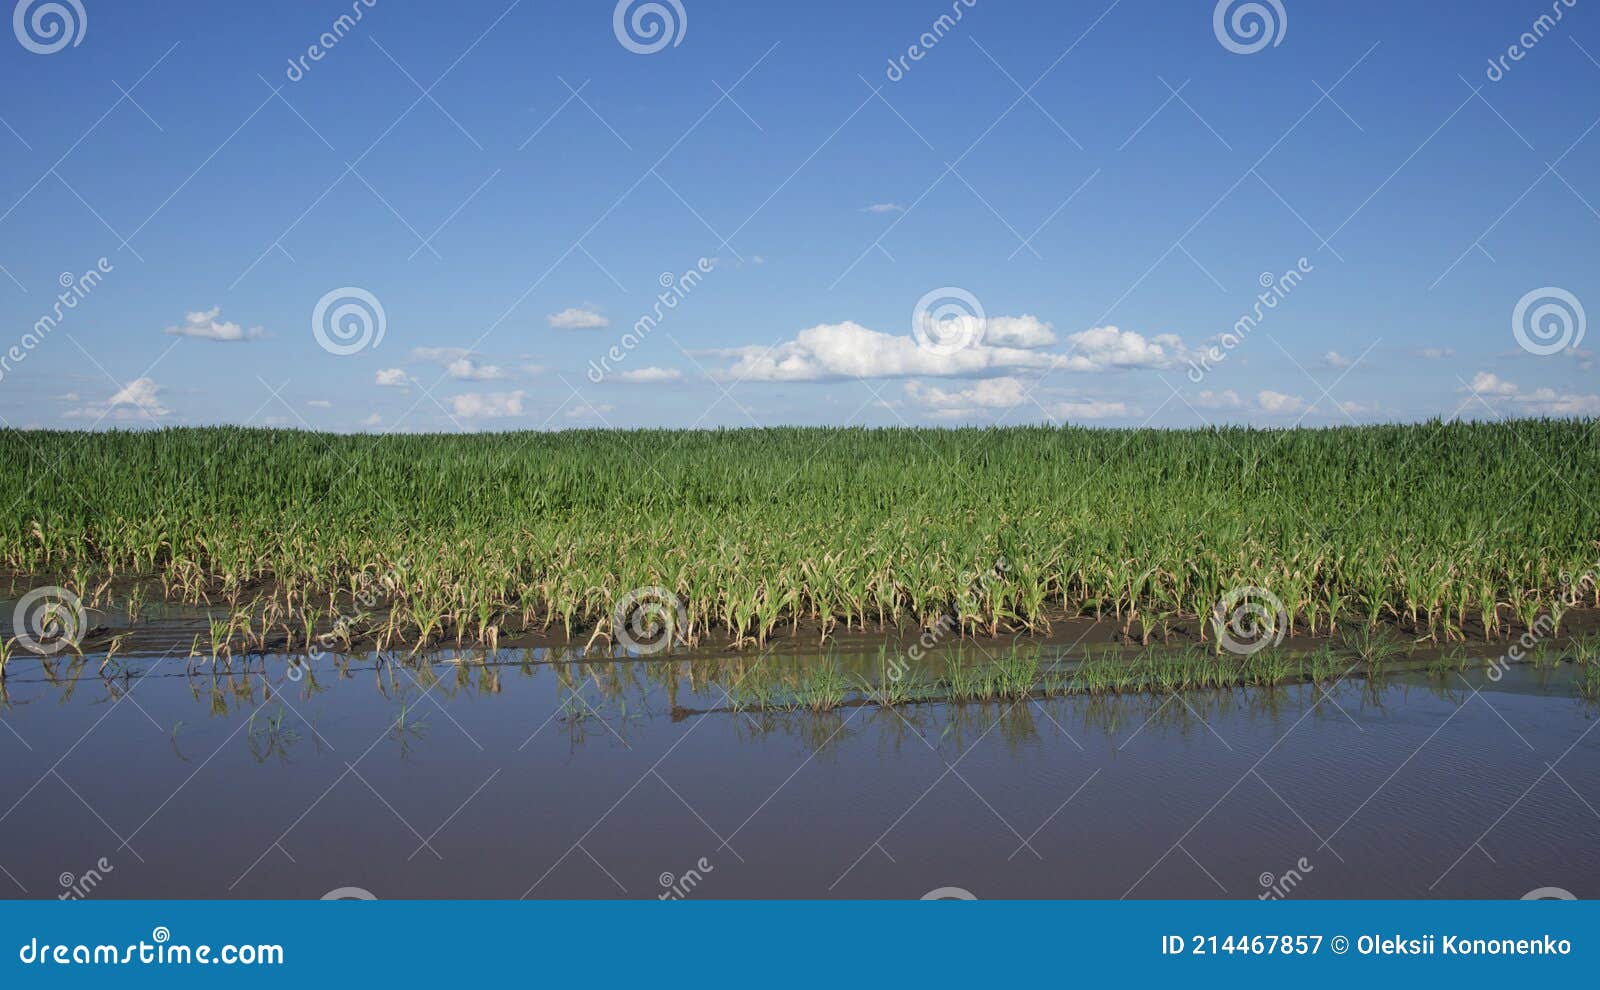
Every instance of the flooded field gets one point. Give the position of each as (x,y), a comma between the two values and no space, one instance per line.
(514,773)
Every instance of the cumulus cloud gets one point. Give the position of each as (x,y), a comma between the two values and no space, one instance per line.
(884,208)
(1539,402)
(1335,360)
(575,318)
(139,399)
(1549,402)
(1488,383)
(1016,331)
(1437,353)
(990,393)
(392,378)
(206,326)
(373,420)
(460,363)
(319,403)
(650,376)
(589,411)
(1002,394)
(467,370)
(832,351)
(1277,403)
(1226,399)
(487,405)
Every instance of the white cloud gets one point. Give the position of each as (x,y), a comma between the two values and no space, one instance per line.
(1355,408)
(1277,403)
(487,405)
(1087,409)
(1104,348)
(1335,360)
(373,420)
(460,363)
(319,403)
(883,208)
(467,370)
(141,394)
(1539,402)
(1488,383)
(990,393)
(139,399)
(844,350)
(575,318)
(650,376)
(392,378)
(1549,402)
(1017,331)
(204,326)
(1226,399)
(1002,394)
(1437,353)
(589,410)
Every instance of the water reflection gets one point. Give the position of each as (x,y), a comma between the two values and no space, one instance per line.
(816,699)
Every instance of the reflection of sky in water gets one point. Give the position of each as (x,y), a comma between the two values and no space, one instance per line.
(461,779)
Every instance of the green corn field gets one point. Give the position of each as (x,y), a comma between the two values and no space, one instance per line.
(1448,530)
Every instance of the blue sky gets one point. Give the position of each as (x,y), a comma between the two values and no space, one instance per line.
(510,181)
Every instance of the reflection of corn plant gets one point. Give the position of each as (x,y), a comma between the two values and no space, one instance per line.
(407,727)
(1453,661)
(6,649)
(271,735)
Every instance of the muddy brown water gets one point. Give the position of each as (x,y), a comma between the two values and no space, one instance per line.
(512,776)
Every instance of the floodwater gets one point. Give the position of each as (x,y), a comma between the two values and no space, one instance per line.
(521,777)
